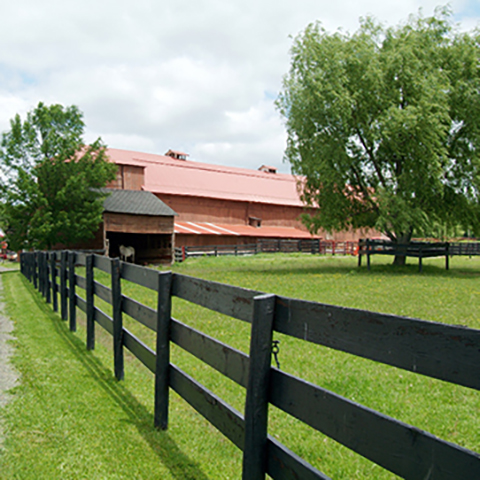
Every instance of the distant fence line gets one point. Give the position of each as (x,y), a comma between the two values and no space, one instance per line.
(445,352)
(364,247)
(313,246)
(416,249)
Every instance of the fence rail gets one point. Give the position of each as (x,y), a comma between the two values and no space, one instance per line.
(445,352)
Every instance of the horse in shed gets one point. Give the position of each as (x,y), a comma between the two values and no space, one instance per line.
(126,253)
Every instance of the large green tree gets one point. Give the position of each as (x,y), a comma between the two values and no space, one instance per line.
(50,179)
(384,125)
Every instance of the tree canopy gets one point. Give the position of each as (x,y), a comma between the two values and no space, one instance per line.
(50,179)
(384,125)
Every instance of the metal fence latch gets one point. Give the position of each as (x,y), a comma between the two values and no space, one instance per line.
(276,351)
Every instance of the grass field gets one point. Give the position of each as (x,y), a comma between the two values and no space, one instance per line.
(70,419)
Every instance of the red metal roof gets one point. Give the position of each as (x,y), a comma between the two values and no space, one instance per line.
(197,228)
(168,175)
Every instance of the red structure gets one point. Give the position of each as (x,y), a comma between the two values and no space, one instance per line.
(219,204)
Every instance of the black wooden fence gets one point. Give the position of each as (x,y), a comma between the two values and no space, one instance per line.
(416,249)
(445,352)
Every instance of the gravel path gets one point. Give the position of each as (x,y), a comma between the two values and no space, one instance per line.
(8,375)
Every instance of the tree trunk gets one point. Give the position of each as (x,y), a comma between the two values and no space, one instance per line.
(400,260)
(402,240)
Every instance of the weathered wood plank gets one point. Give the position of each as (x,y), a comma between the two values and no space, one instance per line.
(233,301)
(446,352)
(221,415)
(139,349)
(146,277)
(103,292)
(81,281)
(256,403)
(102,263)
(286,465)
(103,320)
(81,303)
(400,448)
(145,315)
(230,362)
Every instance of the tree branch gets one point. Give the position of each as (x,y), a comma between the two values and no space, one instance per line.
(372,158)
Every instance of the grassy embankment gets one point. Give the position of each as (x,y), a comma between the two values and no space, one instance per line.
(69,418)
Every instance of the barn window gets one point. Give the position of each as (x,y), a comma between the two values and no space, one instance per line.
(255,222)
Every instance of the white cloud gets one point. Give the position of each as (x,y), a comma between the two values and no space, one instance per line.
(151,75)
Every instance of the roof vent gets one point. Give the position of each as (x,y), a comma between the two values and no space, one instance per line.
(177,155)
(266,168)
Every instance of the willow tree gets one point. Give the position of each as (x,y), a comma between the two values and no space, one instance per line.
(384,126)
(50,179)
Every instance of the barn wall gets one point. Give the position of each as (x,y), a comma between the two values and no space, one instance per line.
(129,177)
(200,209)
(119,222)
(190,240)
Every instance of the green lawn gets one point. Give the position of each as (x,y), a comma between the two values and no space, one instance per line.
(69,418)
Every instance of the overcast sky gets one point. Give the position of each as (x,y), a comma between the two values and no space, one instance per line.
(197,76)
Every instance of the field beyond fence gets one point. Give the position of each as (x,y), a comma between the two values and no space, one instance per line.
(445,352)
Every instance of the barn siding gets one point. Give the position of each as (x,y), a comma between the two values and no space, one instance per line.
(119,222)
(201,209)
(129,177)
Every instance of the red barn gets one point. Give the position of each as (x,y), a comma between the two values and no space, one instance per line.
(218,205)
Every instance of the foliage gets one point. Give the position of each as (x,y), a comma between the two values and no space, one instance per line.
(50,179)
(384,125)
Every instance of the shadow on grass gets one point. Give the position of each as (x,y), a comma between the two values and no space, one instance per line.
(180,465)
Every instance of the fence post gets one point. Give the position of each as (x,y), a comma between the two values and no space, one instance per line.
(447,248)
(256,404)
(53,275)
(35,271)
(164,310)
(47,278)
(32,267)
(89,297)
(44,275)
(28,268)
(367,242)
(40,273)
(117,320)
(420,253)
(71,291)
(63,285)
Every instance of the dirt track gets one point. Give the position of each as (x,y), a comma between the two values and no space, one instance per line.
(8,375)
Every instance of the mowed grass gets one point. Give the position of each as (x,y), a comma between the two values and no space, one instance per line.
(71,419)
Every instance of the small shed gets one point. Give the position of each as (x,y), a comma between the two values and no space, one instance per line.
(138,219)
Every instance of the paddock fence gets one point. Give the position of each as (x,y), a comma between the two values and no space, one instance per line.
(446,352)
(368,247)
(313,246)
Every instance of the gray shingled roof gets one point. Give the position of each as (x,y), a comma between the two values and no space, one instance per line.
(135,202)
